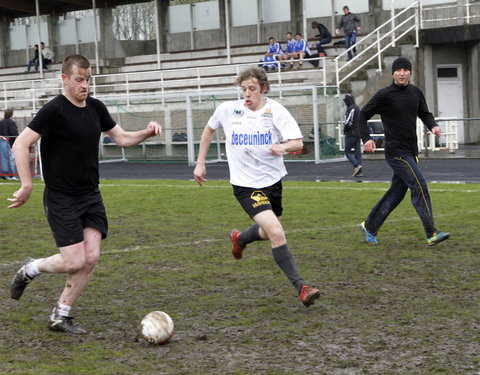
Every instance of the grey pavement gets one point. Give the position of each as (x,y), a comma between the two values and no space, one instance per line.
(461,167)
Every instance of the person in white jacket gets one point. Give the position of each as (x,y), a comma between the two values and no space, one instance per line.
(48,56)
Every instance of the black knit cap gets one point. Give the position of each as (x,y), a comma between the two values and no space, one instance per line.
(401,62)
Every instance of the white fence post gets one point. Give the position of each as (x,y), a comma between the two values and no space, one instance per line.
(316,133)
(190,142)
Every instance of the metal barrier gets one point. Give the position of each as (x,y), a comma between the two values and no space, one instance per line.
(425,139)
(459,12)
(377,42)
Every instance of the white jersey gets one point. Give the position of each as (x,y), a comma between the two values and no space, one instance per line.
(249,137)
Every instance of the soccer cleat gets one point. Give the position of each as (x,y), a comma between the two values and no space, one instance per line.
(308,295)
(437,238)
(369,237)
(64,324)
(237,250)
(20,281)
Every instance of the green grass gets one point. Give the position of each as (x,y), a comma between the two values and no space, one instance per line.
(399,308)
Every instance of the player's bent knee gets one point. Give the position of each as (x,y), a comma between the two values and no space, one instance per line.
(276,234)
(92,260)
(74,266)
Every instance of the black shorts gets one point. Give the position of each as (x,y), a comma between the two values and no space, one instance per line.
(254,201)
(69,214)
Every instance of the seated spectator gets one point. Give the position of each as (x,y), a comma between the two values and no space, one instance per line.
(34,62)
(48,56)
(324,37)
(289,48)
(274,50)
(300,51)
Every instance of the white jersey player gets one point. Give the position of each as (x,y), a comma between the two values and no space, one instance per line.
(258,131)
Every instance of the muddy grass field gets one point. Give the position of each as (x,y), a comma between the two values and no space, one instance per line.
(399,308)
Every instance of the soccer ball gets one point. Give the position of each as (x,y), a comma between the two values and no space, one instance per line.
(157,327)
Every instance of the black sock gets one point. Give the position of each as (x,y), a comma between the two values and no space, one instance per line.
(251,234)
(286,262)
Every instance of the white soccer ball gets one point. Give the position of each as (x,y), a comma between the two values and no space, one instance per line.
(157,327)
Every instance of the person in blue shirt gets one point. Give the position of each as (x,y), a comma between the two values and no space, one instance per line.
(274,50)
(289,48)
(301,50)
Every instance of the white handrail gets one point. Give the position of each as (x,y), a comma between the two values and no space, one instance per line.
(374,40)
(125,82)
(467,13)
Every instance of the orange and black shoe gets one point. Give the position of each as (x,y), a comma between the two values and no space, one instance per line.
(308,295)
(237,250)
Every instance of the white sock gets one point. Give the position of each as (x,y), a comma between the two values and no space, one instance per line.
(32,268)
(60,309)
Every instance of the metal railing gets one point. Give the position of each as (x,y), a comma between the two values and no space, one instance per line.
(33,92)
(131,85)
(377,42)
(127,86)
(461,12)
(425,139)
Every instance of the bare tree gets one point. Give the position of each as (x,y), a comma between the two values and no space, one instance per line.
(134,21)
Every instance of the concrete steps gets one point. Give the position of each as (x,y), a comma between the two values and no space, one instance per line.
(180,72)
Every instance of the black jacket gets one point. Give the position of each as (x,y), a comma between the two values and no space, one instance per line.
(9,128)
(398,107)
(354,130)
(323,32)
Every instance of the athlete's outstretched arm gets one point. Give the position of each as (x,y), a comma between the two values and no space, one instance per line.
(126,139)
(200,170)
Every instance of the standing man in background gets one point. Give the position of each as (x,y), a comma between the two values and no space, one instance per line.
(70,126)
(8,134)
(8,127)
(399,105)
(350,24)
(352,132)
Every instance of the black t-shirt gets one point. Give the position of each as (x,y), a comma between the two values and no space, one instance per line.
(69,143)
(398,107)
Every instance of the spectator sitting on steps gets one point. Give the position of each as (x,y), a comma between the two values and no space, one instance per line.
(274,51)
(48,56)
(324,37)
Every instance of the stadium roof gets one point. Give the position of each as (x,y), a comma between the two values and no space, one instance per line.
(11,9)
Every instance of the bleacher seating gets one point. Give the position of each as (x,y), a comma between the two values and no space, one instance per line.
(180,71)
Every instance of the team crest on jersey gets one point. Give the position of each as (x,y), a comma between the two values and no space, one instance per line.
(268,113)
(260,198)
(238,113)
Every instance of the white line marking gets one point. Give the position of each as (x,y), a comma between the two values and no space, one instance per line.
(225,238)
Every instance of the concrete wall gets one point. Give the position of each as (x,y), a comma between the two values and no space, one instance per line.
(454,45)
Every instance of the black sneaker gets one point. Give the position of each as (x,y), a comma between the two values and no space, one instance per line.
(64,324)
(20,281)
